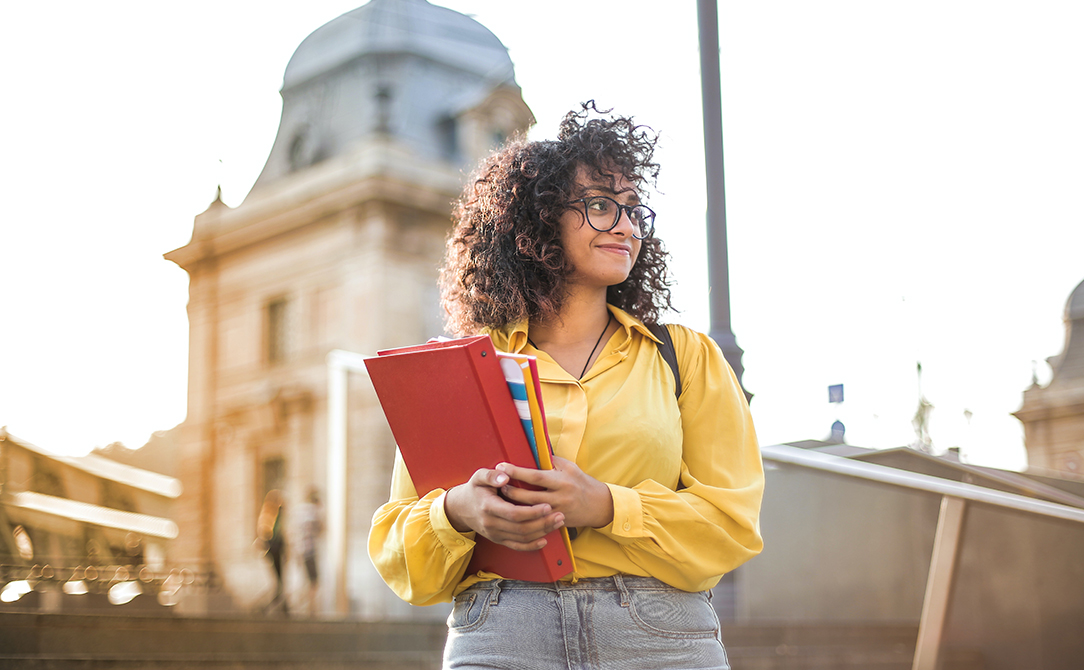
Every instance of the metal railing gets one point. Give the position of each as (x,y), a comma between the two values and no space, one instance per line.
(954,499)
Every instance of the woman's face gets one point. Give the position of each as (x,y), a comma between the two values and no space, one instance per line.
(600,259)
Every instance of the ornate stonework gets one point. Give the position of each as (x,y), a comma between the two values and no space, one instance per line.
(1053,416)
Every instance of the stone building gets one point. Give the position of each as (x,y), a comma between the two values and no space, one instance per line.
(1053,415)
(336,248)
(76,528)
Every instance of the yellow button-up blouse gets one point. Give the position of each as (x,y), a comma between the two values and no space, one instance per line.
(686,476)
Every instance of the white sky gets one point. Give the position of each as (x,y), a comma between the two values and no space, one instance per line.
(903,184)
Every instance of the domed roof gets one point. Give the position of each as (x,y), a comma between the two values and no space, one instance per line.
(401,26)
(1074,309)
(401,71)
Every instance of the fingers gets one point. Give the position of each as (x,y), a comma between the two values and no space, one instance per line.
(526,475)
(584,500)
(556,485)
(477,505)
(522,536)
(491,478)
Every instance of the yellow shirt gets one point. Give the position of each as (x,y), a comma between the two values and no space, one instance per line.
(686,484)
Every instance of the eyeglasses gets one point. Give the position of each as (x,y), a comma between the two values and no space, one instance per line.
(603,213)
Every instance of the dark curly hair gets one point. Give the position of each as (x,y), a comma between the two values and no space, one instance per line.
(504,261)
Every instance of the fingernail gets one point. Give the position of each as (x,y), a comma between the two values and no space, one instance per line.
(501,479)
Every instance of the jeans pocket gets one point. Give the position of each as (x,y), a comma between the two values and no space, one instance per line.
(673,614)
(469,610)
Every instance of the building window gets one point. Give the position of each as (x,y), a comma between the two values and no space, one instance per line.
(278,330)
(45,479)
(448,132)
(273,475)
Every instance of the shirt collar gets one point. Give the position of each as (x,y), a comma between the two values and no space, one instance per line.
(513,337)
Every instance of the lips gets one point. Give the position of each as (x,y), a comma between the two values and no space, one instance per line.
(616,249)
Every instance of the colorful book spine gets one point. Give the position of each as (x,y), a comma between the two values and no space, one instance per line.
(542,436)
(513,375)
(538,414)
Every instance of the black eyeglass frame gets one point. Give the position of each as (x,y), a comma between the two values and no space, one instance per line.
(625,208)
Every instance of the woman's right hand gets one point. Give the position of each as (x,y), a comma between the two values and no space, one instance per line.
(477,505)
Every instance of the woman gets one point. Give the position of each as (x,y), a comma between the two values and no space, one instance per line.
(553,255)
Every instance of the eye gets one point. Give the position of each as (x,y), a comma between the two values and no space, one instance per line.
(600,204)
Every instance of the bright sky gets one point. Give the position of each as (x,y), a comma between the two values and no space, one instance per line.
(903,184)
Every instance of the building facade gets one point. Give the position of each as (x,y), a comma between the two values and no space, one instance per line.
(336,248)
(84,533)
(1053,415)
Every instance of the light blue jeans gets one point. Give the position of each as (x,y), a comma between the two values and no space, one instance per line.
(610,623)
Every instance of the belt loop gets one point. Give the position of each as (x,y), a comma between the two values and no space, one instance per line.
(624,591)
(496,592)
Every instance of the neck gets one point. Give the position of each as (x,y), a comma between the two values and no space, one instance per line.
(581,318)
(575,338)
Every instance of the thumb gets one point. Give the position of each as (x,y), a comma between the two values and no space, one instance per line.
(490,478)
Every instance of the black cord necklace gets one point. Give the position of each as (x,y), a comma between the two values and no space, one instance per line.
(590,355)
(598,342)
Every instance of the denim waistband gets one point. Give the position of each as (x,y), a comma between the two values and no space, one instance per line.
(615,582)
(621,584)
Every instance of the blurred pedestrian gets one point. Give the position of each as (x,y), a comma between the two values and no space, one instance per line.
(269,530)
(311,525)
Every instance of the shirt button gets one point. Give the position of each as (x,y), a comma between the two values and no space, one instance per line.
(460,542)
(627,526)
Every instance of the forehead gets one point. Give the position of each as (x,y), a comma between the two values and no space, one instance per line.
(606,183)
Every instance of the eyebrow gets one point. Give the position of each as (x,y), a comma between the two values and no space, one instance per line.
(608,190)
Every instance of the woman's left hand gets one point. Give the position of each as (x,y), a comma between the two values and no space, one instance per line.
(585,501)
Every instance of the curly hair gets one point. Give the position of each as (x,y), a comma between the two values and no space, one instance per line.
(504,261)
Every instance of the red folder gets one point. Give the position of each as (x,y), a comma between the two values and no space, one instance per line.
(451,412)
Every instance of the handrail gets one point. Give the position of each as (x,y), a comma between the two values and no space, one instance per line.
(913,480)
(96,515)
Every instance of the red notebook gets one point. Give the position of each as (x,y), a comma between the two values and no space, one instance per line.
(451,412)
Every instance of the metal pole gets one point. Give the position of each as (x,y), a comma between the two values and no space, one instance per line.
(718,263)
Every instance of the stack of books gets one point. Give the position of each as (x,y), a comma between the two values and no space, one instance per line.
(455,406)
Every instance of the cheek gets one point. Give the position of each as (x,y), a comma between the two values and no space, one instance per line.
(570,226)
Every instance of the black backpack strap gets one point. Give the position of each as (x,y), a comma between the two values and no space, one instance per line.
(669,354)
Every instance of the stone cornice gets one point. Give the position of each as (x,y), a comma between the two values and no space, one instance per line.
(379,171)
(1041,404)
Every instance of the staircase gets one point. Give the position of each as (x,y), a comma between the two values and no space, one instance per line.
(36,641)
(68,641)
(797,646)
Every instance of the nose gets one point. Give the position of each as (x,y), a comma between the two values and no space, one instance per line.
(624,225)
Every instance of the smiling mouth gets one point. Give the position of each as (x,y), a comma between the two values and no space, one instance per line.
(617,249)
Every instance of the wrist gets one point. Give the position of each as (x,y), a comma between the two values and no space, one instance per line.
(452,510)
(604,506)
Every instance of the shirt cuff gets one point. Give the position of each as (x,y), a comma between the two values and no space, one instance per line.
(628,513)
(454,541)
